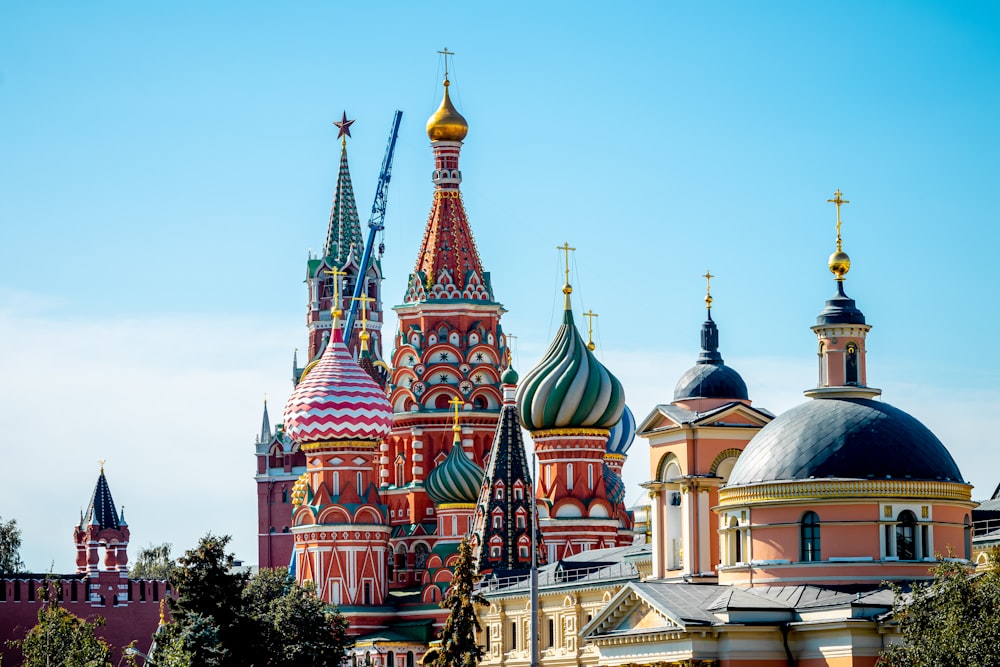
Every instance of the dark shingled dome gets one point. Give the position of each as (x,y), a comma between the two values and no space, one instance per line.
(711,381)
(852,438)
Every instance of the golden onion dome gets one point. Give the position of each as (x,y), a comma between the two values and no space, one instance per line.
(839,264)
(446,124)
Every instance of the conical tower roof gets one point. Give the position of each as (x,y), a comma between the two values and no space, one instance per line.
(344,230)
(101,510)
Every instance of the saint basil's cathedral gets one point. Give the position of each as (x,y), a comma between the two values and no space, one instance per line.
(770,536)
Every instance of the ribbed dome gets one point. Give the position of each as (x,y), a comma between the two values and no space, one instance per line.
(622,434)
(446,124)
(613,485)
(711,381)
(569,388)
(336,400)
(456,480)
(844,438)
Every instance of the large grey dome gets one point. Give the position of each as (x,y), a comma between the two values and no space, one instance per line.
(852,438)
(711,381)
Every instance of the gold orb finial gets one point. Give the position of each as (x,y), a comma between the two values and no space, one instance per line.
(446,124)
(839,262)
(708,288)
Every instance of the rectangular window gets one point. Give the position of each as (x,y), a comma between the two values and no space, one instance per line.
(513,636)
(552,633)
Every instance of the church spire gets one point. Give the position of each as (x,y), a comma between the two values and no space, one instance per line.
(448,264)
(709,331)
(265,426)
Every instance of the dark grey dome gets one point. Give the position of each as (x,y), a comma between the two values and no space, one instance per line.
(711,381)
(853,438)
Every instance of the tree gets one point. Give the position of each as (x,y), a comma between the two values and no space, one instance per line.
(223,619)
(292,626)
(63,639)
(458,637)
(10,546)
(209,625)
(952,620)
(153,562)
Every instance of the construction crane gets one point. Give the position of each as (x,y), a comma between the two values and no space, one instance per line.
(376,224)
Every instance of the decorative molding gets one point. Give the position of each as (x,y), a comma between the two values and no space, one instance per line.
(843,488)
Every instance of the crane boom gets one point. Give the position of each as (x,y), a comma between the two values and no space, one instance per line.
(376,223)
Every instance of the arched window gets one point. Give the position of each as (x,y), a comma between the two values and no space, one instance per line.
(479,403)
(284,495)
(906,536)
(822,365)
(809,538)
(390,659)
(851,364)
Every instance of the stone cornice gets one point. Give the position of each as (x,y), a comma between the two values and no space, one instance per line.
(811,489)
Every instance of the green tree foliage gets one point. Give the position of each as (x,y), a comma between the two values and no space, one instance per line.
(63,639)
(952,620)
(153,562)
(225,619)
(291,625)
(458,636)
(10,547)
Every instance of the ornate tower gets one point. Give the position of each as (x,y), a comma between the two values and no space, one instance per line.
(341,260)
(569,401)
(279,463)
(337,415)
(102,527)
(504,514)
(449,347)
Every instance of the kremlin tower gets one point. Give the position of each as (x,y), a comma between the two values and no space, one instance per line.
(449,347)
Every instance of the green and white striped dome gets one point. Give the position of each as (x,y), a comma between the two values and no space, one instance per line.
(569,388)
(456,480)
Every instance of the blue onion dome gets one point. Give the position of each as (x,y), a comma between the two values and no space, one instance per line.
(613,484)
(622,434)
(456,480)
(710,377)
(844,438)
(569,388)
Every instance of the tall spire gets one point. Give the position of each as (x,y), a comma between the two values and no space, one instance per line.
(265,426)
(709,331)
(448,264)
(344,231)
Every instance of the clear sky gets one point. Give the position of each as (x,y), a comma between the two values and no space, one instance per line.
(166,167)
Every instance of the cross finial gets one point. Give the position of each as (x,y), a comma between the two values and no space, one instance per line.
(456,401)
(336,273)
(365,300)
(101,463)
(708,288)
(567,289)
(446,53)
(343,129)
(590,315)
(838,199)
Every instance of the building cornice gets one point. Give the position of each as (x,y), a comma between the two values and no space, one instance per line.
(815,489)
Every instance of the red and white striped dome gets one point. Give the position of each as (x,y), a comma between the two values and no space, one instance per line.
(336,400)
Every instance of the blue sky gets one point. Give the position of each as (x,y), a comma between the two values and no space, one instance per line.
(165,168)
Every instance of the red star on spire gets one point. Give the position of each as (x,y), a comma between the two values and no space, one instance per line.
(343,126)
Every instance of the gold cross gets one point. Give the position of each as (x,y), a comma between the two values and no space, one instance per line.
(708,288)
(336,273)
(446,53)
(590,315)
(456,402)
(364,299)
(565,248)
(101,462)
(838,199)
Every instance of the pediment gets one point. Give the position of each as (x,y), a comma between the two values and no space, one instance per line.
(630,612)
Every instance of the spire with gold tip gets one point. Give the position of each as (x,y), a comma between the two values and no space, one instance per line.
(841,309)
(569,388)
